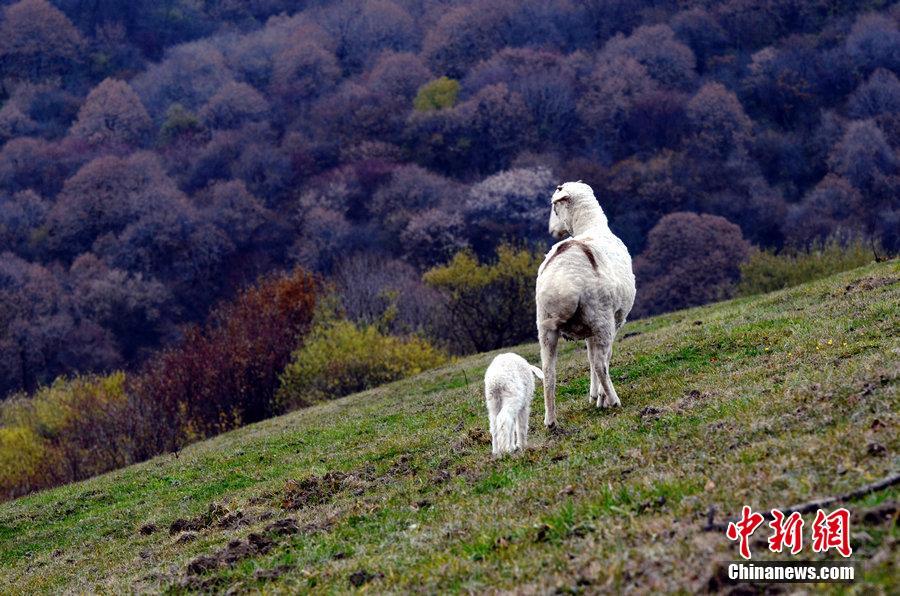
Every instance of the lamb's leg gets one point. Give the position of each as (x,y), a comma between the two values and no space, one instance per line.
(549,339)
(493,407)
(493,420)
(523,429)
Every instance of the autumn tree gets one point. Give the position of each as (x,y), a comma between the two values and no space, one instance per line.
(508,206)
(656,48)
(610,99)
(37,41)
(233,105)
(718,123)
(112,113)
(398,75)
(225,373)
(106,195)
(833,207)
(690,259)
(863,154)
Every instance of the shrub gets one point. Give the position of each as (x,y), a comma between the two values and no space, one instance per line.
(768,270)
(22,460)
(488,305)
(339,358)
(70,430)
(225,374)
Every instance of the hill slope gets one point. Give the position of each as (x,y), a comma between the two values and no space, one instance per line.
(766,401)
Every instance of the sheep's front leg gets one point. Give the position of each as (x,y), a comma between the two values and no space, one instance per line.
(549,339)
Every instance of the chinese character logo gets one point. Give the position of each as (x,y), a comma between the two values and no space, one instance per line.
(828,531)
(743,529)
(832,531)
(786,532)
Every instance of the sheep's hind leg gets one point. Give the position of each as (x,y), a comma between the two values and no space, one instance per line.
(607,356)
(596,395)
(599,353)
(549,339)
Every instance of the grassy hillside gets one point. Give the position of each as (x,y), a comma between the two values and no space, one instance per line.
(766,401)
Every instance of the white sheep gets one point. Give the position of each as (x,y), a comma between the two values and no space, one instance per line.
(508,390)
(585,290)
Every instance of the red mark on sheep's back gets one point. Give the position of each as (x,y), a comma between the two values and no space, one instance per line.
(564,246)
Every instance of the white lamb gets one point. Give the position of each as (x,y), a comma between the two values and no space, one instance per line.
(508,390)
(585,290)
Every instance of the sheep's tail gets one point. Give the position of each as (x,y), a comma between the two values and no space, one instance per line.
(506,430)
(537,372)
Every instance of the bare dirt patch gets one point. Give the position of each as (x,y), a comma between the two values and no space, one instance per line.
(870,283)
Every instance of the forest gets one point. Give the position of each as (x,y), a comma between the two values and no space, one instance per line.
(390,163)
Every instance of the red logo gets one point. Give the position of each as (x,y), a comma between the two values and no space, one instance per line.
(832,531)
(743,529)
(786,533)
(828,531)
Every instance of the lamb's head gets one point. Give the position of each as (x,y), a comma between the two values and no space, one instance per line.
(568,199)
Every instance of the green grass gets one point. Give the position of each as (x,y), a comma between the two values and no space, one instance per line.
(767,401)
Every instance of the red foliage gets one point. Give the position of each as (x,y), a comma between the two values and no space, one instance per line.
(225,373)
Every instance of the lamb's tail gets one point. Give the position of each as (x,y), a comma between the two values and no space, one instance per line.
(537,372)
(506,430)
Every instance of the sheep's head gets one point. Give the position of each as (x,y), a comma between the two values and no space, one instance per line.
(564,199)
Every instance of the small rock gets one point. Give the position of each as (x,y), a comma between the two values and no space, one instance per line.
(876,449)
(567,490)
(362,577)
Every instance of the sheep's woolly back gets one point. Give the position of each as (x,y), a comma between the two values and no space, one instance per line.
(510,376)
